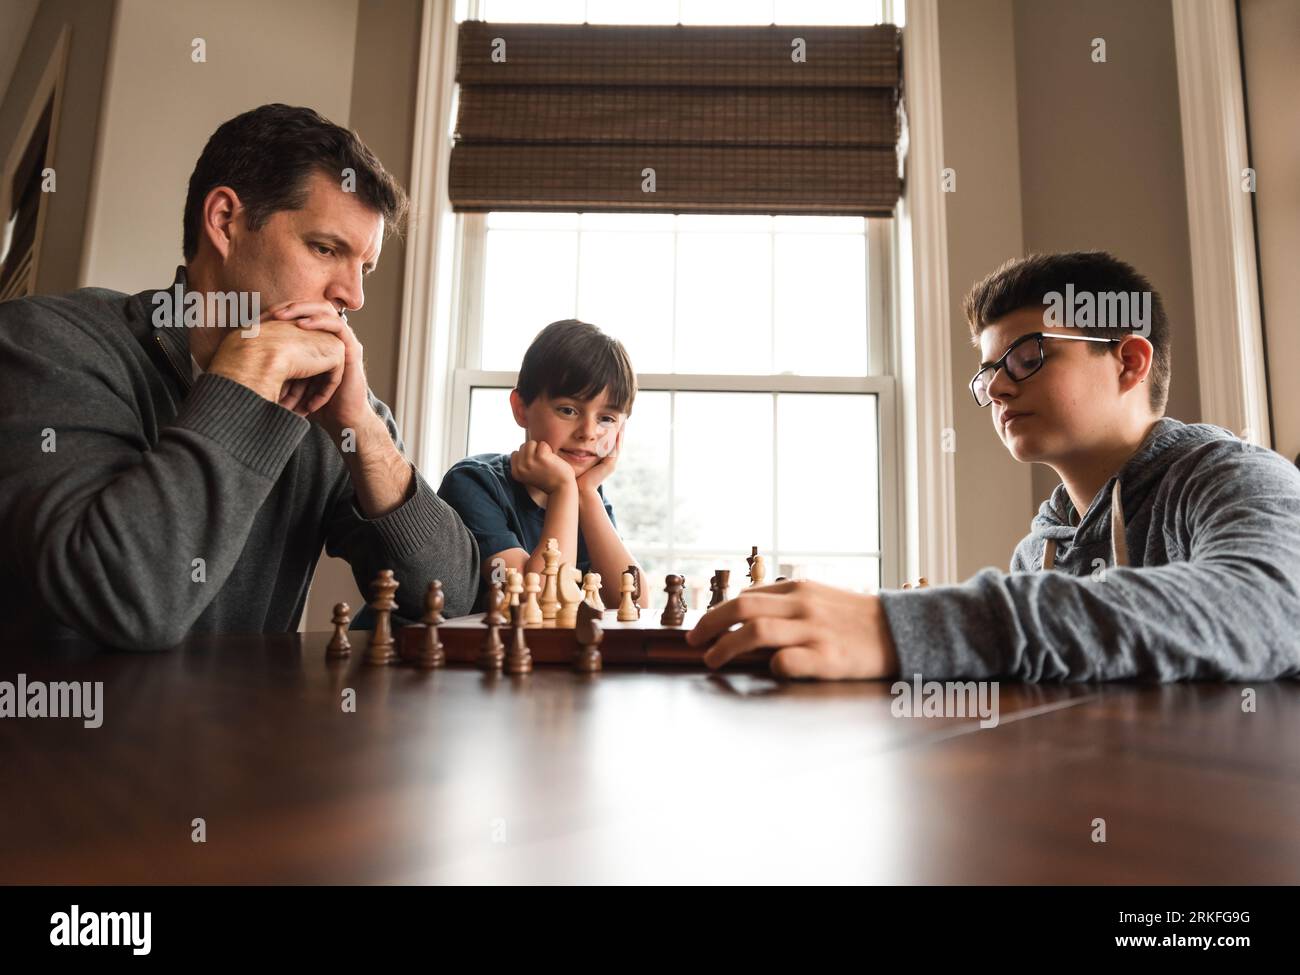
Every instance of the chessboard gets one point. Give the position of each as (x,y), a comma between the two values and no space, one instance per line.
(639,643)
(555,617)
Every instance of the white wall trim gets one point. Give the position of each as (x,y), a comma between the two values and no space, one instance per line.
(924,359)
(1225,286)
(425,361)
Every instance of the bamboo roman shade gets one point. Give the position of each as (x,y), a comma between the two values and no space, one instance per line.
(798,120)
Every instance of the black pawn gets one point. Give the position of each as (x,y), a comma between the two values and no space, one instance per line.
(432,655)
(520,659)
(675,609)
(588,633)
(339,646)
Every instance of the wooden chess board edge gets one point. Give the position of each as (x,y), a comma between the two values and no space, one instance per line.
(624,645)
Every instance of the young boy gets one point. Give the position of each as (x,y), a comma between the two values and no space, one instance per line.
(572,399)
(1169,550)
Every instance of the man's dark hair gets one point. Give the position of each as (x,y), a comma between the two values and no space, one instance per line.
(1025,282)
(267,156)
(578,360)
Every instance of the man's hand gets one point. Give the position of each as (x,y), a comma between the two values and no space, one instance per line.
(282,363)
(537,465)
(347,406)
(817,630)
(599,471)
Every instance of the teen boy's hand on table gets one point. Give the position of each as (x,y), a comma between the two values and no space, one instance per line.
(817,630)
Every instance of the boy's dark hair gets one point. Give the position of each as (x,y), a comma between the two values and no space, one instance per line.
(573,358)
(1025,282)
(267,155)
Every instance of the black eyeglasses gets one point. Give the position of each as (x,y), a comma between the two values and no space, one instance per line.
(1023,358)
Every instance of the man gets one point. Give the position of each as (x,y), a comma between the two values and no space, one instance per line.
(164,470)
(1169,550)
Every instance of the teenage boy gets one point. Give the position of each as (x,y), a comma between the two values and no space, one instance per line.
(572,399)
(1169,551)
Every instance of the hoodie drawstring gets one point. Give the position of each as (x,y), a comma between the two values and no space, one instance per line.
(1118,543)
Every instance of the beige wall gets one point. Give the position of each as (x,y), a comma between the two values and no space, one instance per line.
(981,136)
(383,113)
(74,151)
(16,18)
(160,107)
(1101,155)
(1271,56)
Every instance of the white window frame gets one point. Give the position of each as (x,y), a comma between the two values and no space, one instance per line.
(910,359)
(471,245)
(1225,282)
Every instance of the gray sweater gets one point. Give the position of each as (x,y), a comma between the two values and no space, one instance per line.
(1186,565)
(118,471)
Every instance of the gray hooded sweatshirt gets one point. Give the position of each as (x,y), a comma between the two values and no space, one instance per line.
(1186,565)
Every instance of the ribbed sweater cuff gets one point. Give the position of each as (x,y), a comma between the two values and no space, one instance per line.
(411,525)
(256,432)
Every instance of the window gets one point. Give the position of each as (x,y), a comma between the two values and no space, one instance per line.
(766,408)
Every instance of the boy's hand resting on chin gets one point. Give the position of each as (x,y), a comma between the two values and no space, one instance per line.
(537,465)
(817,630)
(598,472)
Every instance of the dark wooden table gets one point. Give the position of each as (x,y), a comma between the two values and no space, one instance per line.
(628,776)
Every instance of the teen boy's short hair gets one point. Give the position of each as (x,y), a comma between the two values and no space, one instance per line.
(1028,282)
(573,358)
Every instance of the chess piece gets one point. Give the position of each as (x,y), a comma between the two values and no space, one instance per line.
(380,650)
(718,586)
(515,588)
(519,659)
(570,593)
(923,583)
(496,611)
(675,608)
(550,597)
(591,586)
(432,655)
(532,609)
(339,645)
(757,567)
(588,633)
(491,657)
(636,588)
(626,608)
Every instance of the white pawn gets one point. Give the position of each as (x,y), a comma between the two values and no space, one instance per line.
(515,587)
(591,586)
(757,571)
(570,597)
(532,609)
(627,612)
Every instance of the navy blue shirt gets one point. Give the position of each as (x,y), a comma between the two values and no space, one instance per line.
(499,512)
